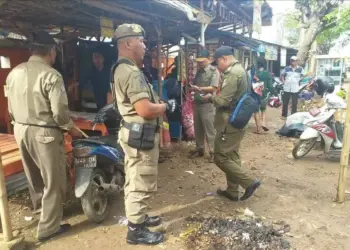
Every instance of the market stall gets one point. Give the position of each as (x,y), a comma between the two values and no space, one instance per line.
(87,24)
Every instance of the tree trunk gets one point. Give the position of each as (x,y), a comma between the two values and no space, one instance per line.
(307,37)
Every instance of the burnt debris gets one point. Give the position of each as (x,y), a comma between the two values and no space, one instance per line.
(236,234)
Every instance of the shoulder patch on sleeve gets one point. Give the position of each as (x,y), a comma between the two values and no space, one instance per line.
(138,76)
(224,83)
(63,89)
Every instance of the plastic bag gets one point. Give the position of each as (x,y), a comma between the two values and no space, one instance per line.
(335,102)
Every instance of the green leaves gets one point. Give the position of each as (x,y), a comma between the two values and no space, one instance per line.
(292,20)
(337,23)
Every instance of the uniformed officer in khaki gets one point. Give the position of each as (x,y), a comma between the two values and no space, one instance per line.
(206,81)
(38,106)
(228,138)
(139,135)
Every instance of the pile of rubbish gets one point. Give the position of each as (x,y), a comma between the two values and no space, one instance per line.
(235,234)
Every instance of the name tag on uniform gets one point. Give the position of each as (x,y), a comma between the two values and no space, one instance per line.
(136,127)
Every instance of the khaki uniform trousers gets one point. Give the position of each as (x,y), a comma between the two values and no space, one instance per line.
(141,173)
(226,157)
(44,162)
(204,125)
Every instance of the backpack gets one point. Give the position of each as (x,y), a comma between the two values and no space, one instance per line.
(247,105)
(244,109)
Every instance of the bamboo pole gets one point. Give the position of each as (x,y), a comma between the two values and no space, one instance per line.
(344,160)
(4,209)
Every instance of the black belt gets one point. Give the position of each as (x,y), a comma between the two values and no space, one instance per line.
(36,125)
(129,126)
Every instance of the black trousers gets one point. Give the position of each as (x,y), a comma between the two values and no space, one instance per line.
(286,98)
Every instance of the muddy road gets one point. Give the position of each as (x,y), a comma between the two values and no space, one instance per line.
(301,193)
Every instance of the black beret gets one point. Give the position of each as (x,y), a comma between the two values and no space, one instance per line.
(223,51)
(43,38)
(203,54)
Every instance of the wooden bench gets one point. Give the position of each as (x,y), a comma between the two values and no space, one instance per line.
(10,156)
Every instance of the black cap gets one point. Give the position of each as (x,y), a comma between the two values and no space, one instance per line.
(203,54)
(43,38)
(260,65)
(223,51)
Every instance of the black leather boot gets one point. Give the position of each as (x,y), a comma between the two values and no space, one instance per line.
(152,221)
(196,153)
(139,234)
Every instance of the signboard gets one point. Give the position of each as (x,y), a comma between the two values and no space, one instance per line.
(107,27)
(257,17)
(271,52)
(107,32)
(283,57)
(261,48)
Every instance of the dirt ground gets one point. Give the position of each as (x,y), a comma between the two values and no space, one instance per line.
(301,193)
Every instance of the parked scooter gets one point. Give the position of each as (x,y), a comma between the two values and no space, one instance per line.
(99,166)
(276,100)
(323,127)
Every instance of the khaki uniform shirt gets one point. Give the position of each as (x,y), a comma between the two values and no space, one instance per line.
(131,86)
(234,85)
(209,76)
(37,96)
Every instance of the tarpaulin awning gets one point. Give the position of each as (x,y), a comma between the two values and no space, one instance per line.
(236,40)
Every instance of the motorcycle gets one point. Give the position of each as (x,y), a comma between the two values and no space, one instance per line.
(276,101)
(99,166)
(278,86)
(322,127)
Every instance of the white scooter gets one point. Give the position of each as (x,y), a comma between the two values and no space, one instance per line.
(322,127)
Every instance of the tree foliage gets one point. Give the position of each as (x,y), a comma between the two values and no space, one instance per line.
(337,24)
(313,18)
(292,27)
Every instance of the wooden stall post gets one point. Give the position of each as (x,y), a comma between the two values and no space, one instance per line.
(251,57)
(4,209)
(160,91)
(204,26)
(344,160)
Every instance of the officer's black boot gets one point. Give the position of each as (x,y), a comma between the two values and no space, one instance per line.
(139,234)
(152,221)
(196,153)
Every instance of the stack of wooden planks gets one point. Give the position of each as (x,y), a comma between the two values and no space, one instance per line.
(10,156)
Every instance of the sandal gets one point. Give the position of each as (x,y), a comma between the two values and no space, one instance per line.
(265,128)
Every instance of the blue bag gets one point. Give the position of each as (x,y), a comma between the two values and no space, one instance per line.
(247,105)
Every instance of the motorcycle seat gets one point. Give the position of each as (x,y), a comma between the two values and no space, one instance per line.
(108,140)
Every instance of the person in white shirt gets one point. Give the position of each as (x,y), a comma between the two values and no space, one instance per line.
(291,76)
